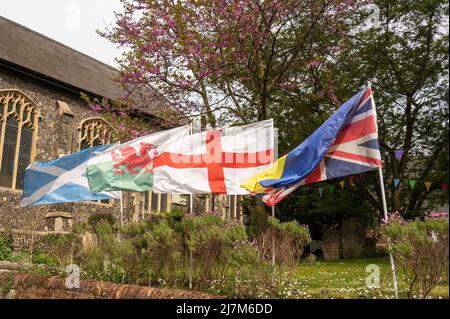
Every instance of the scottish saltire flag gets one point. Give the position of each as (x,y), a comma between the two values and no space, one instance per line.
(346,144)
(63,180)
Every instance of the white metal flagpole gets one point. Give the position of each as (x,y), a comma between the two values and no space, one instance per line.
(275,156)
(191,196)
(191,211)
(273,248)
(121,208)
(391,257)
(383,199)
(121,205)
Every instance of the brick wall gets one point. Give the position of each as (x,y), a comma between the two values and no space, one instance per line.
(15,285)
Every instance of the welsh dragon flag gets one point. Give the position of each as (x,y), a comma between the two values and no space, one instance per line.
(215,161)
(129,166)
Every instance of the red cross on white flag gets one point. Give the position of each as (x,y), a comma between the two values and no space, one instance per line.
(216,161)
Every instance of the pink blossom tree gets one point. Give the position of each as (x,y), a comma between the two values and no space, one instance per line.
(227,60)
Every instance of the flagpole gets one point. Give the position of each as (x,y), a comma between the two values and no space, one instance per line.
(383,199)
(121,204)
(391,257)
(275,155)
(191,211)
(273,248)
(121,208)
(191,196)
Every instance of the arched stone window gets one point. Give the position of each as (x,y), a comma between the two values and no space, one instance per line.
(95,131)
(19,117)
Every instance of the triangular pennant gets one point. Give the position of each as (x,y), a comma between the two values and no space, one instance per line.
(444,187)
(399,154)
(428,185)
(331,189)
(350,179)
(342,183)
(320,191)
(412,183)
(389,181)
(396,181)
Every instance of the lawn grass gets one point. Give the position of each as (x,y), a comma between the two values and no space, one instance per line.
(347,279)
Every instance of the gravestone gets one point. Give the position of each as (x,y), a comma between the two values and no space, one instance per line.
(330,244)
(353,238)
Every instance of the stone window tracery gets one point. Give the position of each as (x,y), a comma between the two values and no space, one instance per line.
(96,131)
(19,119)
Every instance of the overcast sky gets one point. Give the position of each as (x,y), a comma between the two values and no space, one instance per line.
(72,22)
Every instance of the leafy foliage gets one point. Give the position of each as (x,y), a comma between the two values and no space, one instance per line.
(157,253)
(62,248)
(94,219)
(6,252)
(421,247)
(406,59)
(324,212)
(234,62)
(225,60)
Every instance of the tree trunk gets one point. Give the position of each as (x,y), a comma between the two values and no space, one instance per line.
(396,204)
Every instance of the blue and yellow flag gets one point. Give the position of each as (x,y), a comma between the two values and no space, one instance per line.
(346,144)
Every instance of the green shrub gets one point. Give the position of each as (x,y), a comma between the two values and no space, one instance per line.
(79,228)
(61,247)
(44,259)
(287,239)
(421,248)
(176,215)
(164,251)
(311,259)
(6,252)
(257,222)
(208,237)
(95,219)
(157,252)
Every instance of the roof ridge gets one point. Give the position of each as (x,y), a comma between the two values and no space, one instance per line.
(55,41)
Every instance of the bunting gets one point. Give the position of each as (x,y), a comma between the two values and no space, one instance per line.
(399,154)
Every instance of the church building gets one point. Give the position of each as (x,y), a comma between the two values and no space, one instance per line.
(43,117)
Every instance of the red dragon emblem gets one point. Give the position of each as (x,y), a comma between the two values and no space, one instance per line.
(126,158)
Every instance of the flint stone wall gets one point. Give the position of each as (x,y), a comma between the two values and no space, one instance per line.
(56,133)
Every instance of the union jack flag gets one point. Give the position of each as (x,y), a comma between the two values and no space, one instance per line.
(355,150)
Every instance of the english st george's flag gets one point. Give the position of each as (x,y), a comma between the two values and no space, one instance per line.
(173,161)
(346,144)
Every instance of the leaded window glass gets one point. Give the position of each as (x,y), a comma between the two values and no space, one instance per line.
(19,117)
(93,132)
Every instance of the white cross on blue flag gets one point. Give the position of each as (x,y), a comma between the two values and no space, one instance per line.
(63,180)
